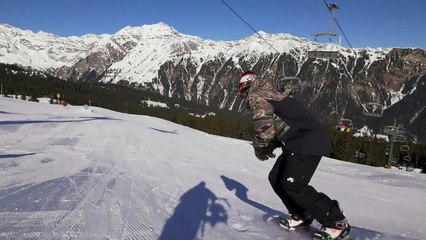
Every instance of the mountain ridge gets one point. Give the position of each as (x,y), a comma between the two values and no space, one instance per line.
(159,58)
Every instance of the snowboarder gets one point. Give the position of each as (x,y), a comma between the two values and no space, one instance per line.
(303,141)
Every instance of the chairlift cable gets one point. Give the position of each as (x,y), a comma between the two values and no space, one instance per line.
(347,40)
(254,30)
(338,25)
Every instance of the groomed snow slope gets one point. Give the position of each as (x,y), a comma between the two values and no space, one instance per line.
(70,172)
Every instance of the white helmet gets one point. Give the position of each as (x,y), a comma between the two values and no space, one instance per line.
(245,83)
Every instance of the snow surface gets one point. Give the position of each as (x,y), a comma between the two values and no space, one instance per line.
(76,173)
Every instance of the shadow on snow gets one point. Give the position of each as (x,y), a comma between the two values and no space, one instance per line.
(241,193)
(22,122)
(356,232)
(197,207)
(163,131)
(17,155)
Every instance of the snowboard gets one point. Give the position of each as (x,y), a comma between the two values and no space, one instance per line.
(305,233)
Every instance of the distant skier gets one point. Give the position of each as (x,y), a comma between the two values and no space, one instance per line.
(303,141)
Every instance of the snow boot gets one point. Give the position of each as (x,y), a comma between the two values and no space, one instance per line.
(296,222)
(334,231)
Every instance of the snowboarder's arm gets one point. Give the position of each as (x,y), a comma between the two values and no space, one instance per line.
(263,120)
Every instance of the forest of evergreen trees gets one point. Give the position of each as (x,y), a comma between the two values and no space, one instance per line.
(28,84)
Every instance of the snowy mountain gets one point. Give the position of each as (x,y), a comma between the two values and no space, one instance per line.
(42,50)
(76,173)
(159,58)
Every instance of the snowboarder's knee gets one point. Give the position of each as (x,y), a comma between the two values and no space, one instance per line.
(293,185)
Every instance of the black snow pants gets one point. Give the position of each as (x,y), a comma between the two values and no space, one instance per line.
(290,178)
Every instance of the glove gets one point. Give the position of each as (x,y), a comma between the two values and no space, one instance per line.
(261,154)
(266,152)
(276,144)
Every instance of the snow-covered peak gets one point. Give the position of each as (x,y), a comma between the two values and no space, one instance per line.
(152,30)
(46,34)
(42,50)
(4,26)
(135,53)
(12,31)
(45,50)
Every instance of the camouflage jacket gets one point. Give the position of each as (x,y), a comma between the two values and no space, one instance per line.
(267,126)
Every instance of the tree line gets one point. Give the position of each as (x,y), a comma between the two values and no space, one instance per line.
(30,85)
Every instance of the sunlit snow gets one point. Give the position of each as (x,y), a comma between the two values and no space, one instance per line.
(90,173)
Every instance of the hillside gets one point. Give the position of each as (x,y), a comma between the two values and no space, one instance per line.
(159,58)
(77,173)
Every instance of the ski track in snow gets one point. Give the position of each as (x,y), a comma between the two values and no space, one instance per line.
(86,205)
(78,174)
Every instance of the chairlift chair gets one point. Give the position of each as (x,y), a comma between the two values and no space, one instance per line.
(373,109)
(392,130)
(332,6)
(289,85)
(321,52)
(407,158)
(400,138)
(325,52)
(344,125)
(404,148)
(346,122)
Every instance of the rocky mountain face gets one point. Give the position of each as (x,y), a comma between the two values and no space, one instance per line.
(159,58)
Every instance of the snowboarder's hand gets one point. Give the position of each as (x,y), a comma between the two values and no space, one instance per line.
(264,153)
(260,154)
(275,144)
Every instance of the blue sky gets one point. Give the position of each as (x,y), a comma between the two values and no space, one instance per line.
(367,23)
